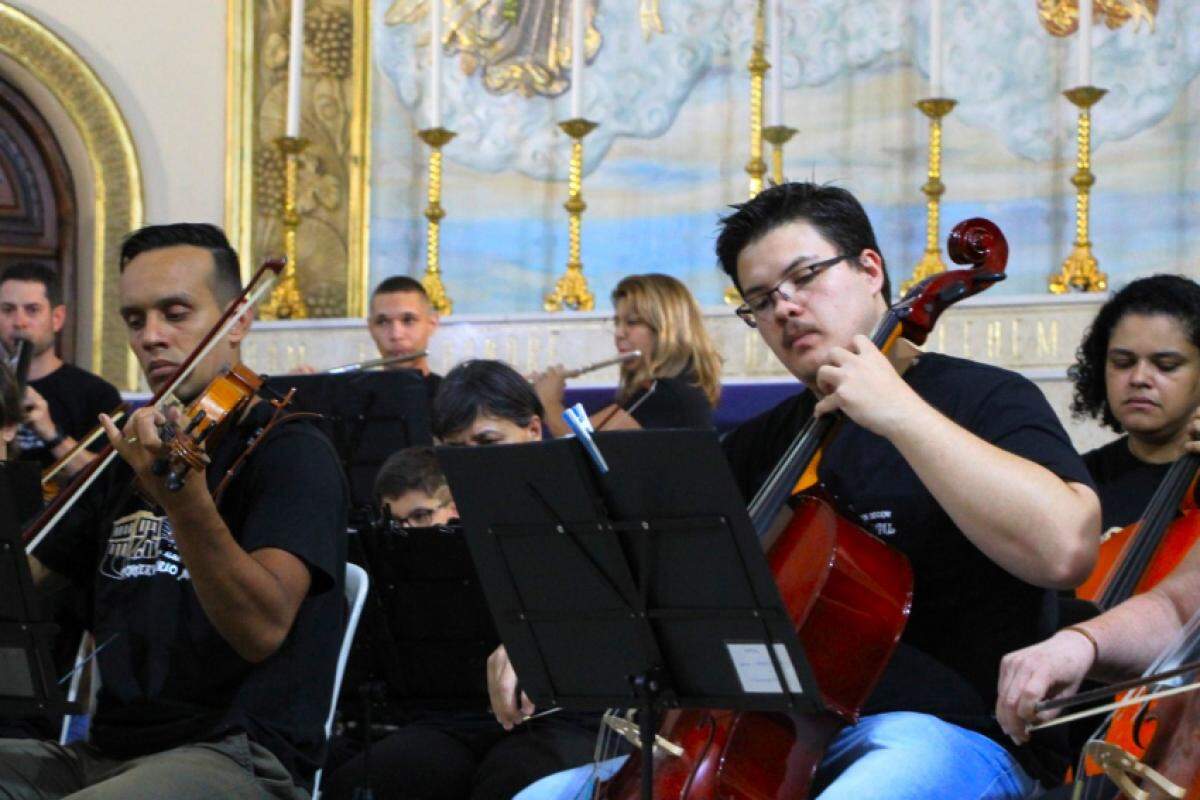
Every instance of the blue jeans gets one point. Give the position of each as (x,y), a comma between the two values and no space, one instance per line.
(895,756)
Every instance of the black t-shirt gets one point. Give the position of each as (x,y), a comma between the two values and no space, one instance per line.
(967,611)
(671,403)
(433,382)
(75,398)
(167,676)
(1124,482)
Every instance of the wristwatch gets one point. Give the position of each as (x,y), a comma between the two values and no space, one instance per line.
(59,438)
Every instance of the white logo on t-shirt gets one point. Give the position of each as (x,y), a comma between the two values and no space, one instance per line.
(881,521)
(142,545)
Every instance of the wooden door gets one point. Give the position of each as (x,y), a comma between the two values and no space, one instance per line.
(37,202)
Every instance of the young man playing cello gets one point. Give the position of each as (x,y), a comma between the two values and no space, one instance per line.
(935,462)
(217,621)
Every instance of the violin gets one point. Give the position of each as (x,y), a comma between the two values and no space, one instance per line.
(847,593)
(206,419)
(256,289)
(1136,558)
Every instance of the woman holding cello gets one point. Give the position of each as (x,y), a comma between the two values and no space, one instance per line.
(932,464)
(1138,372)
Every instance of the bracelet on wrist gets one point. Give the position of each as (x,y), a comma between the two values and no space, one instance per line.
(1087,635)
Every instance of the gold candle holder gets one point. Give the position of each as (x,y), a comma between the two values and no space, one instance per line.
(756,168)
(931,262)
(436,138)
(571,290)
(1080,270)
(777,136)
(286,301)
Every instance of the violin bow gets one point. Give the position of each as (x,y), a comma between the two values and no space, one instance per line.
(1107,691)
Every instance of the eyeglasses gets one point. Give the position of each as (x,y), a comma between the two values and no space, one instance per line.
(420,517)
(759,306)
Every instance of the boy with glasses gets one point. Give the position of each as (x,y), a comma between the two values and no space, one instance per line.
(413,488)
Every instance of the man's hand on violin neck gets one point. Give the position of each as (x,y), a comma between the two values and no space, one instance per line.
(141,444)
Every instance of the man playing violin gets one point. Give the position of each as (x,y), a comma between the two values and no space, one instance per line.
(217,621)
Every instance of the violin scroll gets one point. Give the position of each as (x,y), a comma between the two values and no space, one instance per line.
(978,242)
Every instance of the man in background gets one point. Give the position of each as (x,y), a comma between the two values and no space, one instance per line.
(402,320)
(61,400)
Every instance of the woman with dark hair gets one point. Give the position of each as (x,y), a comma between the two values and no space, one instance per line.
(464,755)
(1138,372)
(486,402)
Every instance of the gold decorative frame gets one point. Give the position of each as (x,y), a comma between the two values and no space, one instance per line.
(251,122)
(116,174)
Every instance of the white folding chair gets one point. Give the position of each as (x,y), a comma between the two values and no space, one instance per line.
(357,584)
(84,665)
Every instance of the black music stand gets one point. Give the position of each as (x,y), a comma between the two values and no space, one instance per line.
(426,631)
(645,587)
(28,687)
(367,415)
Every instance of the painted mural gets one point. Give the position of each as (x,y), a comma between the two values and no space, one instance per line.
(667,83)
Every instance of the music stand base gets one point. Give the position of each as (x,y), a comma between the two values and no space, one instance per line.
(648,688)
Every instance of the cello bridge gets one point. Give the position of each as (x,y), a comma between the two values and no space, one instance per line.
(626,727)
(1123,769)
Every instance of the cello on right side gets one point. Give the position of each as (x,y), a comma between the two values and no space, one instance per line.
(1136,558)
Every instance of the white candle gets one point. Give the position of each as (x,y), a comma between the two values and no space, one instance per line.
(295,61)
(435,63)
(577,28)
(1085,43)
(775,57)
(935,48)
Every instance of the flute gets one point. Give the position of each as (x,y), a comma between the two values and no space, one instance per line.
(375,362)
(608,362)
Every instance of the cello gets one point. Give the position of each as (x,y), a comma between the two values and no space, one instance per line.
(1134,559)
(847,593)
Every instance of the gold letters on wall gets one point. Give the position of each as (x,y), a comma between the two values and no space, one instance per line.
(334,118)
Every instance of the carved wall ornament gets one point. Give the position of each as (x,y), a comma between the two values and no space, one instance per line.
(1061,17)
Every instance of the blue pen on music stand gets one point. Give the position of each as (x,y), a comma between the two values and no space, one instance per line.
(578,421)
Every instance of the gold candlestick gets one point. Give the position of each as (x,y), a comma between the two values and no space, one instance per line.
(755,167)
(1080,270)
(777,136)
(286,301)
(571,290)
(758,66)
(436,138)
(931,262)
